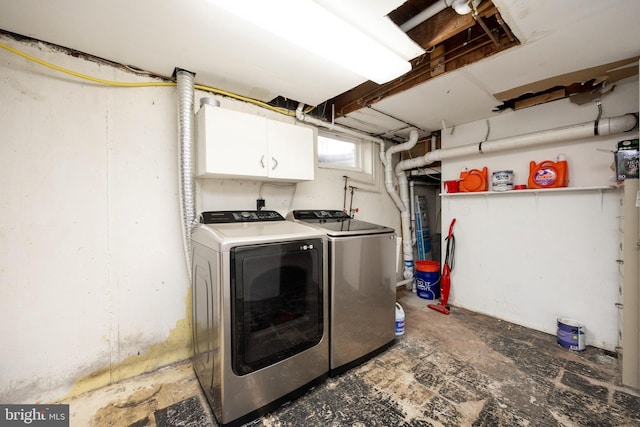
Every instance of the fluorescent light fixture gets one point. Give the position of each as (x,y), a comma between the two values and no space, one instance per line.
(308,25)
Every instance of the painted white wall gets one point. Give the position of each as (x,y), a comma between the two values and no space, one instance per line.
(90,240)
(92,273)
(532,257)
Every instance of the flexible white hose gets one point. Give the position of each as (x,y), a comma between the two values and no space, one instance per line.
(185,81)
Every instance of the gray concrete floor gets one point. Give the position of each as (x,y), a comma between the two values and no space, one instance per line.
(464,369)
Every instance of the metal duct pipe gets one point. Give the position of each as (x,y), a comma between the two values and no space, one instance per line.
(185,85)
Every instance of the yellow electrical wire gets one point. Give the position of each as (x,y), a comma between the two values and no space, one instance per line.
(83,76)
(147,84)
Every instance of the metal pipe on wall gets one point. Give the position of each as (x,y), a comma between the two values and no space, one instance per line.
(185,85)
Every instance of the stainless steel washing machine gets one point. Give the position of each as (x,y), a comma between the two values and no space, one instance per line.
(259,311)
(362,292)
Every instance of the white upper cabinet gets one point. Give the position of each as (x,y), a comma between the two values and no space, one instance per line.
(291,155)
(232,144)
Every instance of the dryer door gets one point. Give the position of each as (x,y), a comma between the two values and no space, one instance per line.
(276,302)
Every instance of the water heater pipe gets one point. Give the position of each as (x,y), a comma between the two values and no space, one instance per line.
(605,126)
(185,86)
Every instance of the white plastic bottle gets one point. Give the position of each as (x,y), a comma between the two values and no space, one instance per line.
(399,320)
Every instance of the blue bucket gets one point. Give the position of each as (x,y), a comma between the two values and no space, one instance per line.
(428,279)
(571,334)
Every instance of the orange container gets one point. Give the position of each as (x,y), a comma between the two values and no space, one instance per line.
(428,266)
(473,180)
(548,174)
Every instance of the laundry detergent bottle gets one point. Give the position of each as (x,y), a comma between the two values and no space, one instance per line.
(473,180)
(549,174)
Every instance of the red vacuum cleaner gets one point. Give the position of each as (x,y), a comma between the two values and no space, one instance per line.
(445,278)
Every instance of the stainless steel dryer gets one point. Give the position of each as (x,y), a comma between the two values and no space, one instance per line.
(362,291)
(259,311)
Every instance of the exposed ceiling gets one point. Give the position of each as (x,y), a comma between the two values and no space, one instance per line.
(550,38)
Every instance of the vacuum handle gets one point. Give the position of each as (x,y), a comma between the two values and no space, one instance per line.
(451,228)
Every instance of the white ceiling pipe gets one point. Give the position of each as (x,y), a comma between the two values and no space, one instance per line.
(388,170)
(429,12)
(606,126)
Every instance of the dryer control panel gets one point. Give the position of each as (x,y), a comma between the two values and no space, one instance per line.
(223,217)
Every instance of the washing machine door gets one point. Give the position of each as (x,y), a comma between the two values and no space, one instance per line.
(276,302)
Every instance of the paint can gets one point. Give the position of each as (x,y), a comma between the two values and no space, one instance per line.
(428,279)
(399,320)
(502,180)
(571,334)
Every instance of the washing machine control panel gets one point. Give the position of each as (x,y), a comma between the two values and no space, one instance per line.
(222,217)
(320,214)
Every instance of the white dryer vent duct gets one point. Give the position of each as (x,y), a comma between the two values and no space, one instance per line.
(603,127)
(185,85)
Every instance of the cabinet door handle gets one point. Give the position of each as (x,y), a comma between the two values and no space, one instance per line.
(262,161)
(620,261)
(275,163)
(618,305)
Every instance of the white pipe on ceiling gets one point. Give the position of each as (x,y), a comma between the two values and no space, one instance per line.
(429,12)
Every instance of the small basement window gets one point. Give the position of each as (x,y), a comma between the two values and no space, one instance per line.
(354,156)
(338,152)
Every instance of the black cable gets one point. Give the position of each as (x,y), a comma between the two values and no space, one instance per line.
(451,249)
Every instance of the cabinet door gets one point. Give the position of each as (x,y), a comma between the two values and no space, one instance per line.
(291,154)
(231,143)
